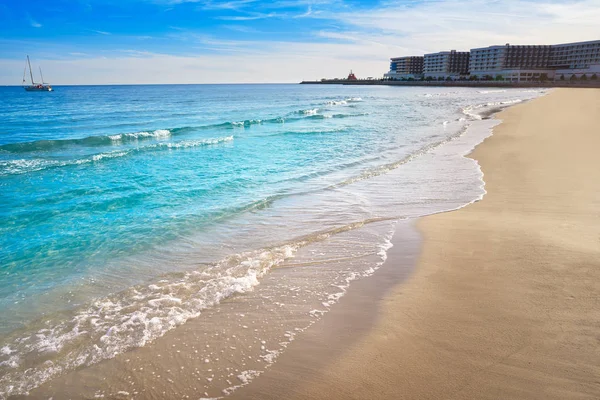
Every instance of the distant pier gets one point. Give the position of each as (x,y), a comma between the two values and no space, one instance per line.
(482,83)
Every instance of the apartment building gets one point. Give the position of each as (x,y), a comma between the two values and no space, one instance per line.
(446,64)
(406,67)
(513,63)
(576,59)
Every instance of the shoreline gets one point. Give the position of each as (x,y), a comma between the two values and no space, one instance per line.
(472,84)
(343,323)
(501,304)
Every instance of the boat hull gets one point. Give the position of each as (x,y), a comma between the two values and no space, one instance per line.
(38,89)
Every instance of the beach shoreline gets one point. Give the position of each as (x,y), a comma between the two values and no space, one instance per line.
(216,351)
(502,302)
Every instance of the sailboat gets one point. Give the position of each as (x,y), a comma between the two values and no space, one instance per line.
(35,87)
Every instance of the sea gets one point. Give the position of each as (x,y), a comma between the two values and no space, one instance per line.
(131,214)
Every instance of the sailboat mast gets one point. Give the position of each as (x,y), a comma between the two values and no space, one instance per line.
(24,72)
(30,73)
(42,76)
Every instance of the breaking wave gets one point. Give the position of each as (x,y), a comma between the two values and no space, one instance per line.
(21,166)
(90,141)
(164,134)
(137,316)
(480,111)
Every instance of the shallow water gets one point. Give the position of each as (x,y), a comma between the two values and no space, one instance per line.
(127,211)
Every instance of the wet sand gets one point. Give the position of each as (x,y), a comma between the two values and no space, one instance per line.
(505,300)
(229,345)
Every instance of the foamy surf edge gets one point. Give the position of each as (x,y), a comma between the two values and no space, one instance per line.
(137,316)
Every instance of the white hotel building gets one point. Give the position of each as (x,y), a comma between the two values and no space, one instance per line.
(533,62)
(582,58)
(512,63)
(446,64)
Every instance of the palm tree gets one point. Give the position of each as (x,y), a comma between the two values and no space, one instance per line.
(583,77)
(573,77)
(594,77)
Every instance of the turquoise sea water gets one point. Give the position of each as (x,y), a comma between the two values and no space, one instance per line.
(114,198)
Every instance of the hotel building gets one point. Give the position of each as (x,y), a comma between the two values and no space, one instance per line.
(533,62)
(446,64)
(406,67)
(581,58)
(512,63)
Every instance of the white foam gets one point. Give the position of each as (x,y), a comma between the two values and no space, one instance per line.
(473,111)
(336,102)
(21,166)
(313,111)
(133,318)
(112,154)
(14,167)
(157,134)
(193,143)
(247,122)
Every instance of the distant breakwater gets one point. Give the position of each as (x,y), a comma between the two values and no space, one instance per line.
(503,84)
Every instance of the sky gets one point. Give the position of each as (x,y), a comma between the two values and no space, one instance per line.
(256,41)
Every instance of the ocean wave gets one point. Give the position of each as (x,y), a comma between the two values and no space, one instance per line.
(343,102)
(479,111)
(157,134)
(22,166)
(326,116)
(491,91)
(164,134)
(184,144)
(137,316)
(440,94)
(133,318)
(248,122)
(90,141)
(382,169)
(312,111)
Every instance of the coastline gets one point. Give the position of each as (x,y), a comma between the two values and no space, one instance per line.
(477,84)
(504,297)
(344,326)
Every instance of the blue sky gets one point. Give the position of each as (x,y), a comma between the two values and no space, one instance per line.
(199,41)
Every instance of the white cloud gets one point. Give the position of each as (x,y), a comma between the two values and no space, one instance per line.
(33,23)
(249,17)
(241,28)
(228,5)
(457,24)
(308,13)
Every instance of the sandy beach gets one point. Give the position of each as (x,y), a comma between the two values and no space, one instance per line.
(504,302)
